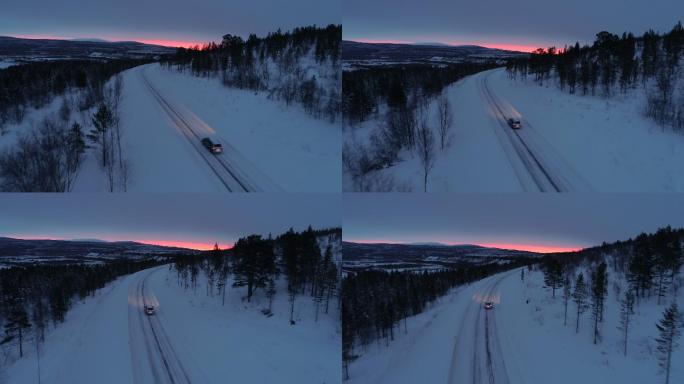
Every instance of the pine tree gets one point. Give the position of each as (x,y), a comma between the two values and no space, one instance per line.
(640,274)
(103,120)
(626,312)
(553,275)
(579,296)
(254,263)
(567,292)
(290,249)
(670,329)
(15,325)
(331,277)
(599,288)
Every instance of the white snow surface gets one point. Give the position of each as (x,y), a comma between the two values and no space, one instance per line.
(528,342)
(107,338)
(269,147)
(584,143)
(293,150)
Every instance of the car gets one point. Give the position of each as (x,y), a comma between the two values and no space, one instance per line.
(514,123)
(149,310)
(213,147)
(488,305)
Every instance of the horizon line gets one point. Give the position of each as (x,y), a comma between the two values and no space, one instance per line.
(191,245)
(504,246)
(168,43)
(504,46)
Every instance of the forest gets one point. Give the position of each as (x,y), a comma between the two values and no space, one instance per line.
(640,270)
(36,84)
(34,298)
(399,97)
(48,158)
(256,263)
(615,65)
(302,66)
(374,303)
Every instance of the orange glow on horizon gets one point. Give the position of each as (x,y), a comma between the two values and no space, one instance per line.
(504,46)
(197,245)
(184,244)
(162,42)
(538,248)
(171,43)
(531,247)
(511,47)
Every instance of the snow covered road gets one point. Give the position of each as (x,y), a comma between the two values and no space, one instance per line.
(538,166)
(456,341)
(478,356)
(153,354)
(191,338)
(233,170)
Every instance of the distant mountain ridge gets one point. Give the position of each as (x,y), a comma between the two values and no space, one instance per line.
(11,247)
(21,47)
(359,52)
(396,252)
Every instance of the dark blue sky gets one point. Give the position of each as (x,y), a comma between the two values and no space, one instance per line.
(530,23)
(524,221)
(164,218)
(181,21)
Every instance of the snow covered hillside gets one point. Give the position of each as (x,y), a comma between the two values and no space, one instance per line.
(191,338)
(164,115)
(566,143)
(268,146)
(521,340)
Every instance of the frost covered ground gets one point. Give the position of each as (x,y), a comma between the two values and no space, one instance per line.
(103,338)
(296,151)
(584,143)
(528,341)
(273,146)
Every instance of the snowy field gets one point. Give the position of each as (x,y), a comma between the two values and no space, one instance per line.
(105,339)
(528,342)
(568,143)
(299,153)
(268,146)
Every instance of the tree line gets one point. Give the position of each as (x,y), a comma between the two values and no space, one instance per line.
(256,263)
(649,264)
(36,84)
(374,302)
(402,95)
(35,297)
(616,63)
(48,157)
(246,64)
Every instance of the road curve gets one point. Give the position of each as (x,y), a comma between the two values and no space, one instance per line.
(537,164)
(153,356)
(477,357)
(235,173)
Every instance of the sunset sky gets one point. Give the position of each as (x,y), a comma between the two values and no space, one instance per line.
(520,25)
(185,220)
(534,222)
(165,22)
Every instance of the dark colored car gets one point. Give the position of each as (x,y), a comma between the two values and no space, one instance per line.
(213,147)
(514,123)
(488,305)
(149,310)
